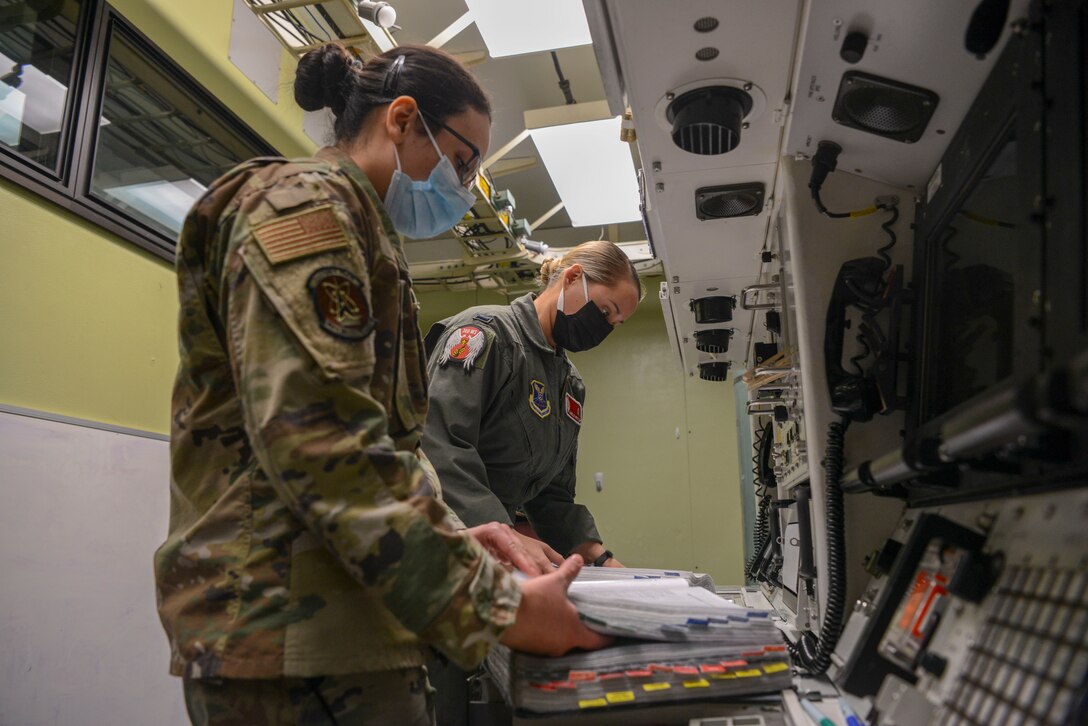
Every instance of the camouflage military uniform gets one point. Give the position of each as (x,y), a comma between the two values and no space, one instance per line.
(303,540)
(502,430)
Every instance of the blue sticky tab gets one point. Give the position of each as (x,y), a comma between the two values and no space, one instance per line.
(700,622)
(674,574)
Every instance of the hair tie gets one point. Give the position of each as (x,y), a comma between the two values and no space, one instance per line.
(392,78)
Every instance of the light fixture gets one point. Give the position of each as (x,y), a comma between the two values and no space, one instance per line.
(381,14)
(514,27)
(590,167)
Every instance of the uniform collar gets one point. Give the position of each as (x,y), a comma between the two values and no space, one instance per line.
(529,322)
(335,156)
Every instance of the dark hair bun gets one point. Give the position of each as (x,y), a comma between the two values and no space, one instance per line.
(322,78)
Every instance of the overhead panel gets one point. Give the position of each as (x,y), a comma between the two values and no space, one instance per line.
(892,66)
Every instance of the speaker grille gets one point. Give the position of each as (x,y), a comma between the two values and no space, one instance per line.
(705,25)
(714,341)
(706,54)
(734,200)
(883,107)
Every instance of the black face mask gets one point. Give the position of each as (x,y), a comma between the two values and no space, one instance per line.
(583,330)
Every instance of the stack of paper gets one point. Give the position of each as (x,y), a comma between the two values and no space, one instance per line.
(676,640)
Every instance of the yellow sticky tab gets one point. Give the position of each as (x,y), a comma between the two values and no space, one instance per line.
(723,677)
(620,696)
(750,673)
(701,683)
(656,686)
(592,703)
(775,667)
(300,234)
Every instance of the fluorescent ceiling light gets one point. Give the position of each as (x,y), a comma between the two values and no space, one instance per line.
(592,170)
(42,107)
(164,202)
(514,27)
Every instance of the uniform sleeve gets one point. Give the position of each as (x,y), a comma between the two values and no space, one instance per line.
(302,347)
(556,517)
(459,396)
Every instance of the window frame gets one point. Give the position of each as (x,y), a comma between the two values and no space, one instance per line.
(69,185)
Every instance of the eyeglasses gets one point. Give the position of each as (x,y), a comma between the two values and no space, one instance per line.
(467,170)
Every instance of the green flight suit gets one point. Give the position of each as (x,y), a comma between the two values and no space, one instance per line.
(502,429)
(306,537)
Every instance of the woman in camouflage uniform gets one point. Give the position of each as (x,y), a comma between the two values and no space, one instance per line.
(310,558)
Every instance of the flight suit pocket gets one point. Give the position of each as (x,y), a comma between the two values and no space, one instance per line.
(325,300)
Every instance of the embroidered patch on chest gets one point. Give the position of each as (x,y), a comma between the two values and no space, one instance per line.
(574,409)
(538,399)
(466,345)
(340,303)
(300,234)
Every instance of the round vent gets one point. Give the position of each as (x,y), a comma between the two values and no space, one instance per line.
(713,341)
(706,54)
(883,107)
(717,309)
(705,25)
(708,120)
(718,371)
(734,200)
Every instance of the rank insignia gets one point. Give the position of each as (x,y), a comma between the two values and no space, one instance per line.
(574,409)
(301,234)
(340,303)
(466,345)
(538,399)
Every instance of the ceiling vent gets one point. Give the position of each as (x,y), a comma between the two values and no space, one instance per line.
(732,200)
(718,371)
(883,107)
(708,120)
(717,309)
(714,341)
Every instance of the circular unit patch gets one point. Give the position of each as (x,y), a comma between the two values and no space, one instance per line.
(340,303)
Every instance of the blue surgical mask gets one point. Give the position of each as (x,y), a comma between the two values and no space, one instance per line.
(423,209)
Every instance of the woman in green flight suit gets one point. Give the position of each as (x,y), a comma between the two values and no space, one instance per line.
(507,403)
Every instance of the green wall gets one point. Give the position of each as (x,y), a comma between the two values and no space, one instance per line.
(87,320)
(668,500)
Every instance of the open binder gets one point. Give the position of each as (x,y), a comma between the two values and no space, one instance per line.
(676,641)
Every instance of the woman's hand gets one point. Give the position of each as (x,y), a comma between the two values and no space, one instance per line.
(531,556)
(547,622)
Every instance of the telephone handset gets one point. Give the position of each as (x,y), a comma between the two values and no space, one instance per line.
(861,284)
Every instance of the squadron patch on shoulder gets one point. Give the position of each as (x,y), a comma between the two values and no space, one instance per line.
(467,345)
(574,409)
(340,303)
(300,234)
(538,399)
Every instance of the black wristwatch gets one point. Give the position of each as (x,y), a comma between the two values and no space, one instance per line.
(599,562)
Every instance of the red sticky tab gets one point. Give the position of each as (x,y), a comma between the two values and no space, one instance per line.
(712,668)
(640,674)
(734,663)
(582,675)
(610,676)
(774,648)
(660,668)
(686,670)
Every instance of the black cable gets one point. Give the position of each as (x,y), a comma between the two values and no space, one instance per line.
(811,653)
(823,210)
(564,84)
(887,227)
(315,688)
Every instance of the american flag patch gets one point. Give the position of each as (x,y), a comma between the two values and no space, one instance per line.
(300,234)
